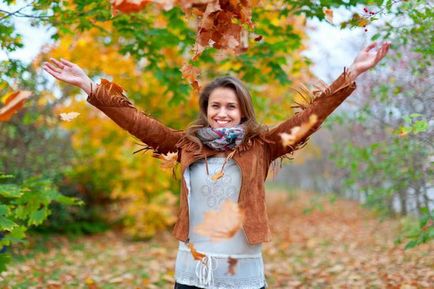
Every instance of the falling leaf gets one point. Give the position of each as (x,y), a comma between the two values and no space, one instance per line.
(222,224)
(232,262)
(217,176)
(168,161)
(191,73)
(68,116)
(328,15)
(221,25)
(196,255)
(13,103)
(128,6)
(298,132)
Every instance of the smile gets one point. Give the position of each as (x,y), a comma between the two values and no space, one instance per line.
(222,121)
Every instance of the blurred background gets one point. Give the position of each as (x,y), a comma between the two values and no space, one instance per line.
(81,177)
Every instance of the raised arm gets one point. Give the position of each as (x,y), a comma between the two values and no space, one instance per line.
(111,100)
(330,98)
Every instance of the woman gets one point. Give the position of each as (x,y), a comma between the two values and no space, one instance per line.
(224,155)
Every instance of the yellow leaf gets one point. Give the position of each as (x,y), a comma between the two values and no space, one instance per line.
(14,102)
(68,116)
(217,176)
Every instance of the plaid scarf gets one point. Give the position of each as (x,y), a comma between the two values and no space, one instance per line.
(221,139)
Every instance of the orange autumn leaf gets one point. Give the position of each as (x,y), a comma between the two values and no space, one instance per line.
(190,73)
(328,15)
(196,255)
(298,132)
(232,262)
(222,224)
(13,103)
(128,6)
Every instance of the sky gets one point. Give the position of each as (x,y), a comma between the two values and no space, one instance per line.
(329,47)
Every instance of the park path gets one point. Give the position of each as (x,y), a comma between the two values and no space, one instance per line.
(318,242)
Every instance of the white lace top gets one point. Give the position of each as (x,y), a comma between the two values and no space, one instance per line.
(212,272)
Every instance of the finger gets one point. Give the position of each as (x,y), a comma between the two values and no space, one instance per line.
(370,46)
(52,67)
(58,63)
(66,62)
(381,53)
(50,71)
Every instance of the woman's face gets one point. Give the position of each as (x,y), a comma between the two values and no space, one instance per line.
(223,108)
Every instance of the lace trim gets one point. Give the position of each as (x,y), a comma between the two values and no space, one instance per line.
(246,283)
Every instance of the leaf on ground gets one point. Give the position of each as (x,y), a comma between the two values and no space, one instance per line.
(13,103)
(222,224)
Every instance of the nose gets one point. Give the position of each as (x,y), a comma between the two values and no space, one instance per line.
(222,112)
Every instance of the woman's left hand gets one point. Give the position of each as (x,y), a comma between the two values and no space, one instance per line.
(368,58)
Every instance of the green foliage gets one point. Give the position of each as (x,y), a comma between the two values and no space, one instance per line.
(411,26)
(419,231)
(138,37)
(387,161)
(413,124)
(24,205)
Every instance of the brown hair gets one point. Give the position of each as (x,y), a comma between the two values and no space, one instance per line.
(251,126)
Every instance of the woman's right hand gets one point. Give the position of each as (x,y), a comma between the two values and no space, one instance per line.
(69,72)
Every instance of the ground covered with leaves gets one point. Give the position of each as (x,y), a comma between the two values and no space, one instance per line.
(318,242)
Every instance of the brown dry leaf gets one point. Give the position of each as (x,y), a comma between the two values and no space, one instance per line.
(168,161)
(222,224)
(328,15)
(196,255)
(298,132)
(217,25)
(128,6)
(68,116)
(232,262)
(13,103)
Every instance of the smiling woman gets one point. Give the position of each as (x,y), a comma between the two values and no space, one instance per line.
(224,108)
(226,127)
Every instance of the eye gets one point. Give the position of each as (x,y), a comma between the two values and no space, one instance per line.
(214,106)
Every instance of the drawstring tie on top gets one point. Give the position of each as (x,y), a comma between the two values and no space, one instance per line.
(205,269)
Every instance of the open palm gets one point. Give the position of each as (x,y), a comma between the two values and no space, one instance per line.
(66,71)
(368,57)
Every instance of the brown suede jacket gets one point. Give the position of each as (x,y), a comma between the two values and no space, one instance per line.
(253,158)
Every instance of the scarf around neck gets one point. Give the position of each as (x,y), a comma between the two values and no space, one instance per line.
(221,139)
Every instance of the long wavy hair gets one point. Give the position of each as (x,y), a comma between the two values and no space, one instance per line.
(251,126)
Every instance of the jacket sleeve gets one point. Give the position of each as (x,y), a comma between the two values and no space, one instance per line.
(322,106)
(110,99)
